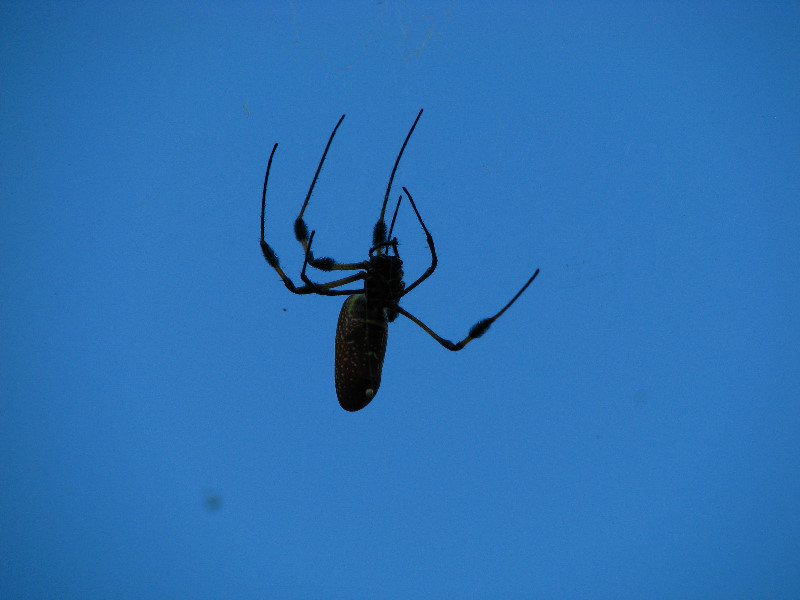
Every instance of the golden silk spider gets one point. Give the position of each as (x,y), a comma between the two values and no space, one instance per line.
(362,331)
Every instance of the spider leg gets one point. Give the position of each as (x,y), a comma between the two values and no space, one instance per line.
(300,227)
(394,216)
(475,331)
(266,249)
(379,232)
(434,261)
(301,232)
(323,263)
(326,289)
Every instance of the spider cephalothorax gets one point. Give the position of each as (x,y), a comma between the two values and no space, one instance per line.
(383,284)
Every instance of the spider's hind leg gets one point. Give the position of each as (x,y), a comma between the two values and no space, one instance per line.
(476,330)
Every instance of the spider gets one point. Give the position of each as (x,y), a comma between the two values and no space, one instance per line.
(362,330)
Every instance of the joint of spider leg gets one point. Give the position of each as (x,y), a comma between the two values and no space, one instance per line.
(419,217)
(323,263)
(293,288)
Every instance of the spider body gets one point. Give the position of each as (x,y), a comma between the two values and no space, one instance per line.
(362,330)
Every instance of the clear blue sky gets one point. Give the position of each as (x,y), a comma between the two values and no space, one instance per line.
(629,429)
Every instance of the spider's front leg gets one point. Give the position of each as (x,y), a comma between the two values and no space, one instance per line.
(324,263)
(326,289)
(266,249)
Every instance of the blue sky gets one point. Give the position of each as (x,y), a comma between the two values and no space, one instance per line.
(628,429)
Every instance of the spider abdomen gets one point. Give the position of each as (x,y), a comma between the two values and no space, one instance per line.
(361,336)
